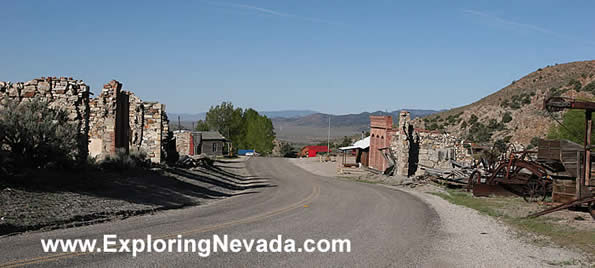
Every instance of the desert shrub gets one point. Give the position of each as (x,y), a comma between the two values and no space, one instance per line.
(478,132)
(122,160)
(506,118)
(575,84)
(35,135)
(590,87)
(473,119)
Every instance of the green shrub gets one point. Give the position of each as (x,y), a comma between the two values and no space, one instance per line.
(590,88)
(507,117)
(575,84)
(34,135)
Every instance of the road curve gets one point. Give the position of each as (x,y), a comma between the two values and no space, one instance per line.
(386,227)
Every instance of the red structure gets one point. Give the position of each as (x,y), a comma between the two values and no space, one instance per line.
(381,133)
(312,150)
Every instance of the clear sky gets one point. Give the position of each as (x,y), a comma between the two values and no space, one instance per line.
(329,56)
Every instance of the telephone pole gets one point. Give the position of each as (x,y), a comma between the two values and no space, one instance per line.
(328,140)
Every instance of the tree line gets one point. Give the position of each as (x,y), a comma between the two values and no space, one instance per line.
(246,128)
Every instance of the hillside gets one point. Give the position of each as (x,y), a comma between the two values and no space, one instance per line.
(515,112)
(313,128)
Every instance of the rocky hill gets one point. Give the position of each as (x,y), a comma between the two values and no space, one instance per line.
(516,112)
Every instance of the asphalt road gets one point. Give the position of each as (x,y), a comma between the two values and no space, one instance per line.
(386,227)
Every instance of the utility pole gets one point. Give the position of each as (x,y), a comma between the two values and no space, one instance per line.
(328,144)
(179,123)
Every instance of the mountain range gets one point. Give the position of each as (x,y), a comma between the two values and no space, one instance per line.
(306,126)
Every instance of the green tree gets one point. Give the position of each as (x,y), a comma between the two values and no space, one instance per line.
(572,128)
(226,120)
(258,132)
(201,125)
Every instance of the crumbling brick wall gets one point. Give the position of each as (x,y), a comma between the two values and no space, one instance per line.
(381,132)
(63,93)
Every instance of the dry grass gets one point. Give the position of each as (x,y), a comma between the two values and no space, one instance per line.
(542,230)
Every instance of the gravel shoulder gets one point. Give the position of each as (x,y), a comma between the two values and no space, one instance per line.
(470,239)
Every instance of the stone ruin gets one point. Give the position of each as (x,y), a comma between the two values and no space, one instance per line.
(407,148)
(114,120)
(65,93)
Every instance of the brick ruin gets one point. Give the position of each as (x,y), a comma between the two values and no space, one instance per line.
(114,120)
(407,148)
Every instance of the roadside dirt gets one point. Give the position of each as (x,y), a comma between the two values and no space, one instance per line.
(55,201)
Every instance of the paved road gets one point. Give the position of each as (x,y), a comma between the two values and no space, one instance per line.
(386,227)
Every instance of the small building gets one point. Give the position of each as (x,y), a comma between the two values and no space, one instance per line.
(312,150)
(362,150)
(210,143)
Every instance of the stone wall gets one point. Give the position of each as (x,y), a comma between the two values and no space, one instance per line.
(437,149)
(63,93)
(156,126)
(136,115)
(109,120)
(410,148)
(402,146)
(184,142)
(115,119)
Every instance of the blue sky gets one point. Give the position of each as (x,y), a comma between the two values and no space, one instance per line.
(330,56)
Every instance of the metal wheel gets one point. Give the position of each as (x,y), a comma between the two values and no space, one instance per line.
(535,190)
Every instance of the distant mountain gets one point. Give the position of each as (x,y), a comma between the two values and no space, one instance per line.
(314,127)
(173,117)
(271,114)
(306,126)
(350,120)
(287,113)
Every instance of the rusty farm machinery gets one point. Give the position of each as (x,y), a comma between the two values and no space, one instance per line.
(559,168)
